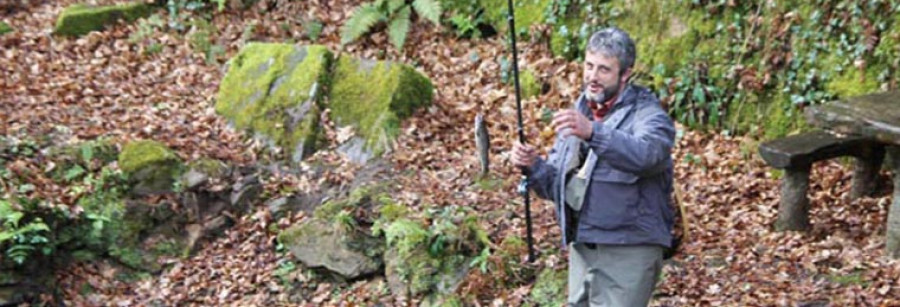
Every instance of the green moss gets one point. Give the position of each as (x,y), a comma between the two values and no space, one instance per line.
(375,96)
(432,255)
(150,165)
(782,119)
(531,86)
(210,167)
(5,28)
(140,154)
(391,211)
(550,288)
(854,82)
(665,32)
(853,278)
(77,20)
(528,13)
(276,91)
(439,300)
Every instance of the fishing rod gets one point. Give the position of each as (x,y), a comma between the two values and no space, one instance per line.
(523,184)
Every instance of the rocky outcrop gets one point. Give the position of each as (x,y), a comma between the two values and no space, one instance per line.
(277,92)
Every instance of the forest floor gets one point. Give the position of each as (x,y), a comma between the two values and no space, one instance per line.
(105,85)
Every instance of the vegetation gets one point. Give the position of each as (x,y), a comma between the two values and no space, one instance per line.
(396,14)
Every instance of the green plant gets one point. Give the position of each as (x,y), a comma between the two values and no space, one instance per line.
(695,100)
(146,28)
(396,14)
(200,39)
(467,26)
(313,28)
(22,235)
(177,9)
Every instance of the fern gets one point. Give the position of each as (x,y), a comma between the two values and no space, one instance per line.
(366,16)
(430,9)
(396,13)
(405,235)
(393,5)
(399,27)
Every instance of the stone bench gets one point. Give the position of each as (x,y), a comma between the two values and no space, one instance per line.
(795,155)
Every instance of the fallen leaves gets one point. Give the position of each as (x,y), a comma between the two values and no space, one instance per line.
(101,85)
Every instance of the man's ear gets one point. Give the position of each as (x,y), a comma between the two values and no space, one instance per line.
(626,76)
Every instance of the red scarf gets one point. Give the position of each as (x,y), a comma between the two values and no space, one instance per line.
(600,110)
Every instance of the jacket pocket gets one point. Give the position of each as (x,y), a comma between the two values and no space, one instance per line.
(613,199)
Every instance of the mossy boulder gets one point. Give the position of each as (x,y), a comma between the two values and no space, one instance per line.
(80,19)
(201,170)
(5,28)
(151,166)
(334,238)
(318,243)
(374,96)
(550,288)
(276,92)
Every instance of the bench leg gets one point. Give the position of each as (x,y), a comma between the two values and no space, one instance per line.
(893,221)
(865,171)
(793,212)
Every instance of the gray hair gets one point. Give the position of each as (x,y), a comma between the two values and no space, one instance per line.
(615,42)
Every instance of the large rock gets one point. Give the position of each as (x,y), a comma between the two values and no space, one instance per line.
(152,167)
(374,96)
(79,19)
(318,243)
(333,238)
(276,91)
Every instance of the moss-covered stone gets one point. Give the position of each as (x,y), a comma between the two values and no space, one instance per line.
(316,243)
(150,165)
(374,96)
(79,19)
(276,91)
(550,288)
(5,28)
(210,167)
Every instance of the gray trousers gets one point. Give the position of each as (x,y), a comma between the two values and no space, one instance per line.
(613,275)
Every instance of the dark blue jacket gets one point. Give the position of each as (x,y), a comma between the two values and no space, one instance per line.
(628,200)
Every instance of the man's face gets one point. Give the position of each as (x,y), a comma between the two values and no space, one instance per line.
(601,77)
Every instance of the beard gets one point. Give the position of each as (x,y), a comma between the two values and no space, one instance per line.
(607,93)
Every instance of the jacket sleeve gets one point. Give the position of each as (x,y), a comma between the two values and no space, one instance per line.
(646,150)
(543,173)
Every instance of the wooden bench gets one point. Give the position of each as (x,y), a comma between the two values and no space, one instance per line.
(795,155)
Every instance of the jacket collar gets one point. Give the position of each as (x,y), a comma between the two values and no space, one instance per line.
(624,103)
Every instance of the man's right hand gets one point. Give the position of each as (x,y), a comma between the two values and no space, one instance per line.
(523,155)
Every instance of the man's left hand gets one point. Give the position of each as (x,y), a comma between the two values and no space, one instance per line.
(571,122)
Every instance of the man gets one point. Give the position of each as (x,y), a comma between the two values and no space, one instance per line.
(610,174)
